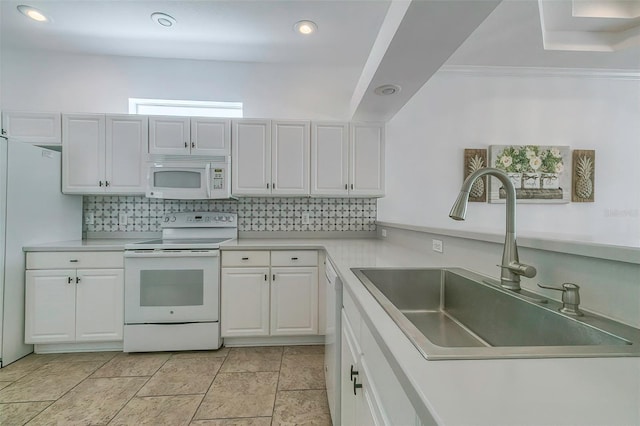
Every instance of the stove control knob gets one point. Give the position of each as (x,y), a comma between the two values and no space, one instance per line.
(217,218)
(223,218)
(166,218)
(207,219)
(173,219)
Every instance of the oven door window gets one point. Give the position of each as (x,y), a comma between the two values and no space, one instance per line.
(171,288)
(177,179)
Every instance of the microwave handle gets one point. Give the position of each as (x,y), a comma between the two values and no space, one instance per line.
(207,173)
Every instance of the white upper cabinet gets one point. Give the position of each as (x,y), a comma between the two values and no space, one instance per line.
(169,135)
(210,136)
(83,153)
(189,136)
(329,159)
(290,157)
(366,159)
(126,153)
(40,128)
(103,154)
(251,157)
(270,157)
(347,159)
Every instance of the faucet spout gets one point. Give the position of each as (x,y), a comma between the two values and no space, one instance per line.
(511,266)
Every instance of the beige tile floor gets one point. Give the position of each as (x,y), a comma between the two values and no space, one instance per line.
(237,386)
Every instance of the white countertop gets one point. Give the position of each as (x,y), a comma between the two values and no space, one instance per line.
(585,391)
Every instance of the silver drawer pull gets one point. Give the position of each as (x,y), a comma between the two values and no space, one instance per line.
(73,260)
(294,258)
(245,258)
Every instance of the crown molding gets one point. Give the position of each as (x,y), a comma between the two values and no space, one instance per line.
(505,71)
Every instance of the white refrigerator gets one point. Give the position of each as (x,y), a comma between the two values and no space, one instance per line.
(33,210)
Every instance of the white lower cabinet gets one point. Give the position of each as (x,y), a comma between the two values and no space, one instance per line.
(294,301)
(245,302)
(370,392)
(267,293)
(73,305)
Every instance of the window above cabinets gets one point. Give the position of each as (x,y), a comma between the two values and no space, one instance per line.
(185,108)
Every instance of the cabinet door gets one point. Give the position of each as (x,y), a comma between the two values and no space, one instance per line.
(294,301)
(83,153)
(50,308)
(210,136)
(251,157)
(367,410)
(169,135)
(99,305)
(244,302)
(126,153)
(42,128)
(367,160)
(290,148)
(329,159)
(348,363)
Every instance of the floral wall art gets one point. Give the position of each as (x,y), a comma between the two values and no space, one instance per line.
(540,174)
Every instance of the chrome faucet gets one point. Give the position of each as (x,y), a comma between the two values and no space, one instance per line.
(512,269)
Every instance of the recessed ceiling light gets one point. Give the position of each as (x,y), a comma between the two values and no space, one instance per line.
(163,19)
(305,27)
(387,89)
(32,13)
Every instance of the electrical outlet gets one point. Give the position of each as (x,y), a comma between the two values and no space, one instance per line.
(437,245)
(384,233)
(305,218)
(122,219)
(89,219)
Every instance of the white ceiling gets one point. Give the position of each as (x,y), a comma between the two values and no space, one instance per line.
(244,31)
(350,34)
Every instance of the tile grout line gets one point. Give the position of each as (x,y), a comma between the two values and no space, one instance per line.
(63,395)
(275,396)
(136,393)
(210,385)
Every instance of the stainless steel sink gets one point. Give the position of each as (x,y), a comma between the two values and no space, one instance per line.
(456,314)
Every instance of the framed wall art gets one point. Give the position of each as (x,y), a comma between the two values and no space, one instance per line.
(583,182)
(475,159)
(540,173)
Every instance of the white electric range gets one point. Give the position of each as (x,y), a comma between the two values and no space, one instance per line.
(172,285)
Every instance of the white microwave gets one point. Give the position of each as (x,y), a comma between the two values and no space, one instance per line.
(189,179)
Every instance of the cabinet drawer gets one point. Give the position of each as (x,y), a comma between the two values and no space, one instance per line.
(294,258)
(245,258)
(75,259)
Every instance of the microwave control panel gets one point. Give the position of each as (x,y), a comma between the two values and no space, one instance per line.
(217,176)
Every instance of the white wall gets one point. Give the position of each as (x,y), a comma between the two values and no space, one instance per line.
(50,81)
(457,110)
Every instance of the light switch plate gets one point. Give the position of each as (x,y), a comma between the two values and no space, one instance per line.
(122,218)
(437,245)
(305,218)
(89,218)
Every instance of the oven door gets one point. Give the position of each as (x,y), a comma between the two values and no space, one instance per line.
(171,286)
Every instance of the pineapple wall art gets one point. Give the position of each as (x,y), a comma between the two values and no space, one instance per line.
(475,159)
(541,174)
(584,165)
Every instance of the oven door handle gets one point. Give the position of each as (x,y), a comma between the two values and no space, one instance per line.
(173,253)
(207,175)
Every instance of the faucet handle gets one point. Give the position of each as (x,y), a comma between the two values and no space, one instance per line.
(521,269)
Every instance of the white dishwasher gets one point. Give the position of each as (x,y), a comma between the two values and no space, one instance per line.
(332,341)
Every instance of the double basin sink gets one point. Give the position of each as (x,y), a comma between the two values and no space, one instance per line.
(453,313)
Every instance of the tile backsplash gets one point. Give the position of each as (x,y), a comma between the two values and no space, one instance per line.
(255,214)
